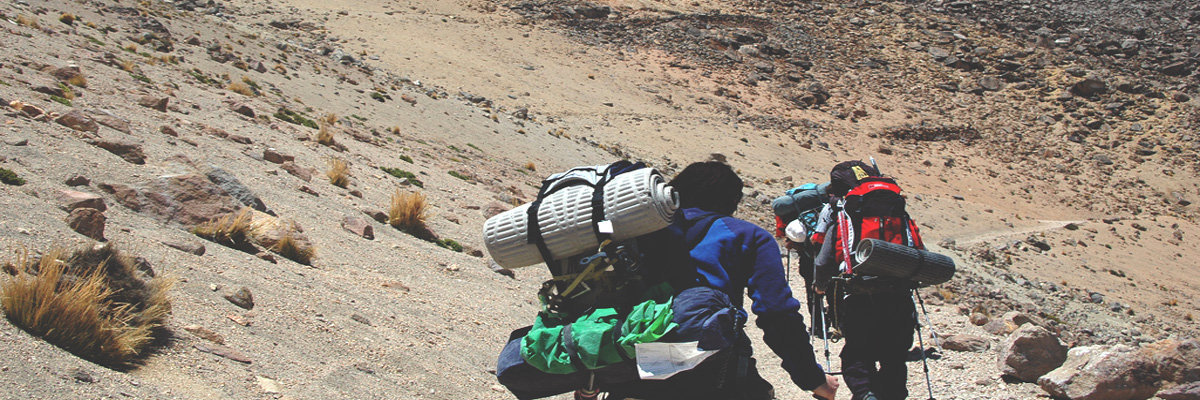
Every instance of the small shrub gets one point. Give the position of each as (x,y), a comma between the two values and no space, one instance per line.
(339,173)
(132,48)
(240,88)
(329,119)
(67,92)
(450,244)
(93,303)
(78,81)
(405,158)
(402,174)
(395,130)
(141,78)
(530,166)
(408,212)
(128,66)
(325,136)
(231,230)
(67,18)
(473,146)
(296,118)
(252,84)
(10,178)
(459,175)
(28,21)
(293,249)
(61,100)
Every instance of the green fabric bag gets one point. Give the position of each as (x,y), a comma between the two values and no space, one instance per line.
(599,342)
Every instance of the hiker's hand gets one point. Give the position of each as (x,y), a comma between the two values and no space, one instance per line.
(828,390)
(818,290)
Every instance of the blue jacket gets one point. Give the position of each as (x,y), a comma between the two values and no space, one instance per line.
(736,257)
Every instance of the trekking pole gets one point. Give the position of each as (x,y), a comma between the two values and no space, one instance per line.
(825,338)
(937,340)
(924,361)
(591,393)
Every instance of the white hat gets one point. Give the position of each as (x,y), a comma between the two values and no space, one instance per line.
(796,232)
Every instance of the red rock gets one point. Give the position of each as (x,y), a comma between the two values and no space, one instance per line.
(272,155)
(205,333)
(157,103)
(78,121)
(189,199)
(130,152)
(242,108)
(70,200)
(78,180)
(88,222)
(359,226)
(168,130)
(305,174)
(1030,352)
(67,73)
(116,123)
(29,110)
(1103,373)
(219,350)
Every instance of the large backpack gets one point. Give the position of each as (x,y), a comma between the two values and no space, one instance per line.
(874,209)
(802,203)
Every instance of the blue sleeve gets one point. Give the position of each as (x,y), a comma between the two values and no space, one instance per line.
(777,312)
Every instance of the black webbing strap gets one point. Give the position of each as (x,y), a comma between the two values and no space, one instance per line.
(535,230)
(598,209)
(568,341)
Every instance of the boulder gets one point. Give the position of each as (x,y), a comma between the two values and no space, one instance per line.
(242,108)
(88,222)
(69,200)
(188,199)
(1187,391)
(154,102)
(78,121)
(1177,362)
(230,184)
(274,156)
(305,174)
(1103,373)
(1030,352)
(128,151)
(112,121)
(359,226)
(969,343)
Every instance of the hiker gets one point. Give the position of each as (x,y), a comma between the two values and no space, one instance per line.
(797,214)
(735,257)
(876,314)
(660,316)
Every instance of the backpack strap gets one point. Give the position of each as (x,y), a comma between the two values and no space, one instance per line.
(846,236)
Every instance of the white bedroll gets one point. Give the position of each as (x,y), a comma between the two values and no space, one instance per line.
(635,203)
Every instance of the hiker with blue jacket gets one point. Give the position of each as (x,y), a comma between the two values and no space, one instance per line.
(737,257)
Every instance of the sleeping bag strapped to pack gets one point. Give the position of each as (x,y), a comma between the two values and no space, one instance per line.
(802,203)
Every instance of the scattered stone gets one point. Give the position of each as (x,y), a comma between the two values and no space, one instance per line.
(1088,87)
(116,123)
(501,270)
(979,319)
(274,156)
(78,121)
(241,298)
(242,108)
(187,247)
(238,319)
(991,83)
(230,184)
(222,351)
(306,189)
(408,99)
(1102,373)
(305,174)
(78,180)
(1030,352)
(130,152)
(205,333)
(69,200)
(168,130)
(82,376)
(360,319)
(88,222)
(153,102)
(29,110)
(359,226)
(267,256)
(188,199)
(67,73)
(969,343)
(268,385)
(377,215)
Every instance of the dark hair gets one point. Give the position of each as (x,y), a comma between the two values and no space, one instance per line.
(847,174)
(710,185)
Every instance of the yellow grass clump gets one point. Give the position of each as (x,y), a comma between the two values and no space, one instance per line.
(408,212)
(325,136)
(290,247)
(128,66)
(530,166)
(67,18)
(28,21)
(92,303)
(231,230)
(339,172)
(240,88)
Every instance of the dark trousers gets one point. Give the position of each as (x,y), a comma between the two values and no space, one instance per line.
(878,328)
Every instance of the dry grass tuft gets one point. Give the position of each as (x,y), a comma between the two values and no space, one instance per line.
(240,88)
(92,303)
(28,21)
(132,47)
(231,230)
(78,81)
(408,212)
(339,172)
(290,247)
(530,166)
(128,66)
(67,18)
(325,136)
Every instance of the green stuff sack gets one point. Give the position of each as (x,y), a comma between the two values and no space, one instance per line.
(594,340)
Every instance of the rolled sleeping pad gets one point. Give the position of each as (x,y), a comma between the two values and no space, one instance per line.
(882,258)
(636,202)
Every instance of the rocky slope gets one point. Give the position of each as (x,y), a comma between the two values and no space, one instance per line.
(1053,153)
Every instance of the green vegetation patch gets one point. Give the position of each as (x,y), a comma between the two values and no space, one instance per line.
(61,100)
(402,174)
(296,118)
(450,244)
(459,175)
(10,178)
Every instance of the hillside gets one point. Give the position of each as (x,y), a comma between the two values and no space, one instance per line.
(1051,150)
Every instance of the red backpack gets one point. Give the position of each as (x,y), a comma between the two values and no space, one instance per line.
(874,209)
